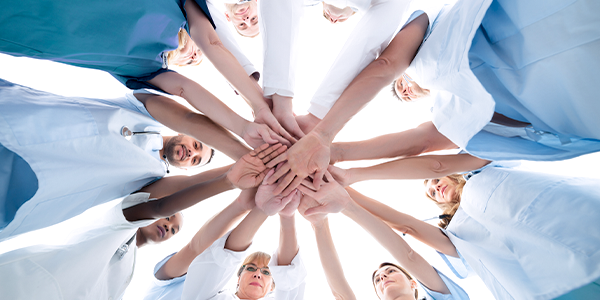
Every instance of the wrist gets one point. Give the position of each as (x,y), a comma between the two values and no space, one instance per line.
(337,153)
(282,105)
(319,225)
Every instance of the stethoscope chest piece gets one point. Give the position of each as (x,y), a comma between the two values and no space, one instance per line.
(126,133)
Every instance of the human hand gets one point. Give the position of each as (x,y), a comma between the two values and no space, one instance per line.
(271,203)
(342,176)
(265,116)
(306,203)
(307,122)
(257,134)
(310,155)
(332,197)
(248,171)
(283,112)
(246,199)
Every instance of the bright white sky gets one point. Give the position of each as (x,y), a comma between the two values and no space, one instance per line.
(359,253)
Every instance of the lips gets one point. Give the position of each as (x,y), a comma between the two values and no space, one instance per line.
(387,282)
(239,13)
(255,284)
(162,231)
(183,152)
(443,190)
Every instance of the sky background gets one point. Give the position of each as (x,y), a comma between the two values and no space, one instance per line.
(359,252)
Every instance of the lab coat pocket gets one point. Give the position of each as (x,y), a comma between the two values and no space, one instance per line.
(480,189)
(37,117)
(24,279)
(55,210)
(567,212)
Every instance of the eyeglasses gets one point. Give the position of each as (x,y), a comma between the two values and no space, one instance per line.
(252,268)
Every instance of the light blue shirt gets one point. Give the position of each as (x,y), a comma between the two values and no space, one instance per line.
(456,292)
(527,235)
(74,147)
(515,58)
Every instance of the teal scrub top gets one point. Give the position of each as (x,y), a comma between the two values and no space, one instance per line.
(125,38)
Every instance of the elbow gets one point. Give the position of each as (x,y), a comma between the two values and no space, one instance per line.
(387,69)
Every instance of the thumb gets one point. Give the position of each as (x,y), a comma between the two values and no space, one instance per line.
(318,179)
(271,172)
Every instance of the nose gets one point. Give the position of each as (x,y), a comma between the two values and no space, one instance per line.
(167,227)
(256,274)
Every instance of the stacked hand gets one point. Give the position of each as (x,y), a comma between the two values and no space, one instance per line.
(271,203)
(249,171)
(332,197)
(310,155)
(307,203)
(266,117)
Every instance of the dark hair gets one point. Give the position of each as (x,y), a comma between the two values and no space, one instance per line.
(399,268)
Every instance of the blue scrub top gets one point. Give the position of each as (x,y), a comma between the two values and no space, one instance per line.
(125,38)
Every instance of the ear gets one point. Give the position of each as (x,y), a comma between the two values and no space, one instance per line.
(413,284)
(180,134)
(227,17)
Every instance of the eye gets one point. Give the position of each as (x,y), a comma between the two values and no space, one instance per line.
(196,145)
(377,279)
(250,269)
(173,231)
(242,25)
(167,218)
(193,161)
(433,193)
(391,270)
(266,272)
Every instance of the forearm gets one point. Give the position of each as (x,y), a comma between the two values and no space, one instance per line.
(169,185)
(241,237)
(419,167)
(331,262)
(288,242)
(426,233)
(181,119)
(169,205)
(201,99)
(212,230)
(422,139)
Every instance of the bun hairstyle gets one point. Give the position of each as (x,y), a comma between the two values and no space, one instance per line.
(399,268)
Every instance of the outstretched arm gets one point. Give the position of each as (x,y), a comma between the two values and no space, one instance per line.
(208,41)
(417,167)
(241,237)
(426,233)
(181,119)
(329,258)
(246,173)
(422,139)
(414,263)
(311,154)
(212,230)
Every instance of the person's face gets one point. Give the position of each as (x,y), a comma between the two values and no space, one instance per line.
(254,283)
(189,55)
(408,90)
(184,151)
(244,17)
(336,14)
(163,229)
(390,283)
(443,190)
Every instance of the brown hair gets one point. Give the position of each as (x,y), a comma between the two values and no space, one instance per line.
(399,268)
(449,209)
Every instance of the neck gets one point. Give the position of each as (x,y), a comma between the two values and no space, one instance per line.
(140,239)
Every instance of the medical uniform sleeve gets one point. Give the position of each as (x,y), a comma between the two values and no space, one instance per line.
(456,292)
(458,265)
(165,289)
(366,42)
(290,279)
(136,83)
(279,23)
(211,270)
(227,37)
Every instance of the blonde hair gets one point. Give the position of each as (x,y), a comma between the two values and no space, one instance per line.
(449,209)
(183,38)
(399,268)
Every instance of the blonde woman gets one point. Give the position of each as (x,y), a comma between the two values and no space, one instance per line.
(517,230)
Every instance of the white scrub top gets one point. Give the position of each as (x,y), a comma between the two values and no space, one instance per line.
(74,147)
(89,268)
(518,59)
(216,266)
(527,235)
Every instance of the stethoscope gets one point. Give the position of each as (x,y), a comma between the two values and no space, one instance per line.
(128,134)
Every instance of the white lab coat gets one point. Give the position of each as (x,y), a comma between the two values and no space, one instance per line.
(280,25)
(75,148)
(88,268)
(521,43)
(211,271)
(527,235)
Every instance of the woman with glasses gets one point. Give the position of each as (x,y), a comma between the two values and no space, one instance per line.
(202,269)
